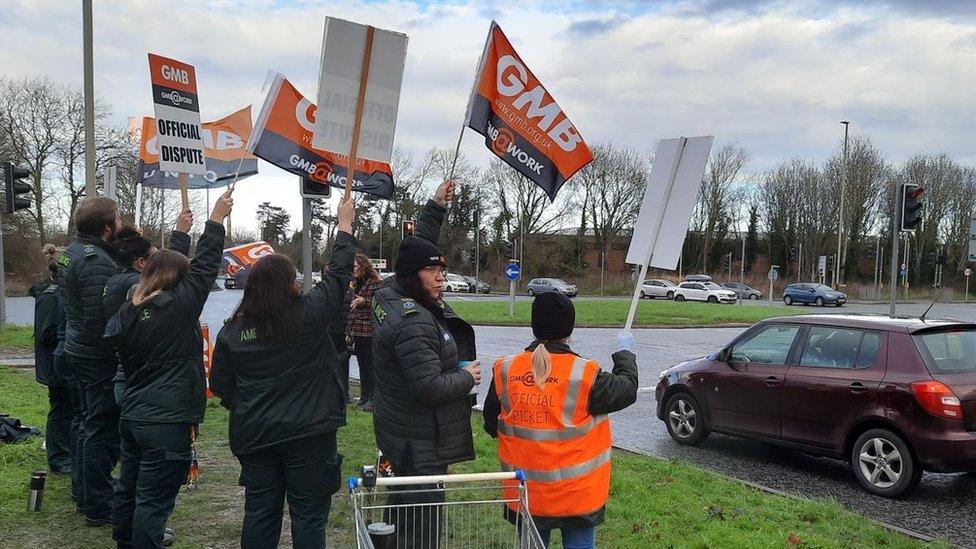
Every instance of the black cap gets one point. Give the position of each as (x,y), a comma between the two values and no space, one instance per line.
(553,316)
(417,253)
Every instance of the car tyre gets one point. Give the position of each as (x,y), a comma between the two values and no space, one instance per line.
(530,292)
(753,296)
(788,300)
(819,302)
(874,456)
(712,299)
(679,297)
(685,419)
(670,295)
(643,295)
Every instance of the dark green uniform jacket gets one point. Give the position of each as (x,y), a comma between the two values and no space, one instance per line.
(160,344)
(87,263)
(421,410)
(117,287)
(284,392)
(47,320)
(612,391)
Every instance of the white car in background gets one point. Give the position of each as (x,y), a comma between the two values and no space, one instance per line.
(456,283)
(657,287)
(703,291)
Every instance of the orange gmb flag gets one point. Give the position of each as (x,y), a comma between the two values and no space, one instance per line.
(225,143)
(521,122)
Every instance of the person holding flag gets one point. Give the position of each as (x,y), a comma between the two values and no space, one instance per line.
(158,340)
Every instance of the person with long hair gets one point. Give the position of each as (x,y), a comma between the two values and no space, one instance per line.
(275,367)
(132,252)
(158,340)
(548,408)
(47,319)
(359,331)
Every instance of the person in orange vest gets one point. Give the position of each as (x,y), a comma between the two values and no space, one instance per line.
(548,408)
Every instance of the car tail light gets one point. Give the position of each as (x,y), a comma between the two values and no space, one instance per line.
(937,399)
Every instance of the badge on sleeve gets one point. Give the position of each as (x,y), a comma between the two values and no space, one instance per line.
(409,307)
(378,312)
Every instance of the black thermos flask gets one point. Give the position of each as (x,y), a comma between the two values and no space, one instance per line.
(36,491)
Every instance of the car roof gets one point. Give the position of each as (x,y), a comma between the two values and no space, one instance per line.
(904,324)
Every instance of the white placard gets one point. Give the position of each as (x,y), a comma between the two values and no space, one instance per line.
(682,160)
(175,102)
(343,46)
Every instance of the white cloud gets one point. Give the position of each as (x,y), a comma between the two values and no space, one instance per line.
(776,78)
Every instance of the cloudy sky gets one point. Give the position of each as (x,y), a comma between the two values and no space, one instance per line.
(774,77)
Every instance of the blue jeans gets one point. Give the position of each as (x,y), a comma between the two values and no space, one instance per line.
(573,538)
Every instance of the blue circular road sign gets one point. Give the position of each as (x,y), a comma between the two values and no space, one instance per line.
(513,271)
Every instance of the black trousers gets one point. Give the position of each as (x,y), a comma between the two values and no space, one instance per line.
(77,436)
(306,473)
(342,352)
(417,527)
(364,357)
(155,463)
(99,444)
(58,434)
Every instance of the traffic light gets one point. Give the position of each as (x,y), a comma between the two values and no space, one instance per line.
(510,250)
(830,262)
(911,206)
(725,261)
(943,257)
(408,227)
(314,189)
(13,186)
(933,257)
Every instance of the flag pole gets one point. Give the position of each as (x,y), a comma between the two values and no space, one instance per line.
(457,150)
(358,121)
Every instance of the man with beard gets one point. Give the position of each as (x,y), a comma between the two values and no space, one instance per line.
(424,362)
(86,265)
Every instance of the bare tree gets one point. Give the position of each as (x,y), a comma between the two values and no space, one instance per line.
(719,198)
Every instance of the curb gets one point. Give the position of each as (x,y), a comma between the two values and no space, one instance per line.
(773,491)
(636,326)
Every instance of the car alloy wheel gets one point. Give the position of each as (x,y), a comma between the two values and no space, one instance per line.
(670,295)
(684,421)
(679,297)
(754,296)
(880,462)
(819,302)
(712,299)
(788,300)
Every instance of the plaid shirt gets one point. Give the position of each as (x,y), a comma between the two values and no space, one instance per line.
(361,318)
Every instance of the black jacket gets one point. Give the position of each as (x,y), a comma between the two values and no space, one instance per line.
(160,345)
(280,393)
(117,287)
(87,264)
(47,320)
(421,410)
(612,391)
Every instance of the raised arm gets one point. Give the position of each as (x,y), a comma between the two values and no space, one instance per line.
(192,291)
(179,239)
(324,300)
(613,391)
(432,217)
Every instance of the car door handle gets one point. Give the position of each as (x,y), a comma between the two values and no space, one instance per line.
(857,387)
(773,380)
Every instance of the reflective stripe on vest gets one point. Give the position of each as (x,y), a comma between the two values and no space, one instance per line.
(563,473)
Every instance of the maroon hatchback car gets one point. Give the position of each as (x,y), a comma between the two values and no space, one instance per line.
(893,396)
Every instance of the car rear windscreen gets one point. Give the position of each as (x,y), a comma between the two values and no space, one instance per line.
(948,351)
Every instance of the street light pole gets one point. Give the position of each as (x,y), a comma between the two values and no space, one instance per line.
(86,7)
(840,215)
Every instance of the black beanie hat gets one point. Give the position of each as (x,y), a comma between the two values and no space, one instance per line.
(553,316)
(415,254)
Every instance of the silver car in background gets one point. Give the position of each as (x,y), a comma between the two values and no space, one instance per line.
(657,287)
(744,291)
(544,285)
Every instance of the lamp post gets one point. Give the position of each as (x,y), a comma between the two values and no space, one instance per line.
(840,215)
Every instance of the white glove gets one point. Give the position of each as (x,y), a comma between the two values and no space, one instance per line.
(625,341)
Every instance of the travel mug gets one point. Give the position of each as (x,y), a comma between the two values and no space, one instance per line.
(382,535)
(36,490)
(473,393)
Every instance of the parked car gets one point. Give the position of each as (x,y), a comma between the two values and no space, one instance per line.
(543,285)
(744,291)
(455,283)
(703,291)
(477,286)
(657,287)
(817,294)
(892,396)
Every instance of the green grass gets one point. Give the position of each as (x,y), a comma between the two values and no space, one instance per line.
(653,502)
(613,313)
(17,337)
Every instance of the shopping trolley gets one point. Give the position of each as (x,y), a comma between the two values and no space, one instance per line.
(464,511)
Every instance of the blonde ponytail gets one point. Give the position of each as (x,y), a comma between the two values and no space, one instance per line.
(541,365)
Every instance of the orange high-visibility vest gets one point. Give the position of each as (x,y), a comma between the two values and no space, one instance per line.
(550,435)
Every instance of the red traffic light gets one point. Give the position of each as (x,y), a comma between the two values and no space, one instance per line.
(916,194)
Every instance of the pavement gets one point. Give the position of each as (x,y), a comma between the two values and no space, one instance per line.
(942,506)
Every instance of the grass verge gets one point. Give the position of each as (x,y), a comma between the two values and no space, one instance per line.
(613,313)
(17,337)
(653,502)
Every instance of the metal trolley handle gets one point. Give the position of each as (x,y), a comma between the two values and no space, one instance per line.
(370,480)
